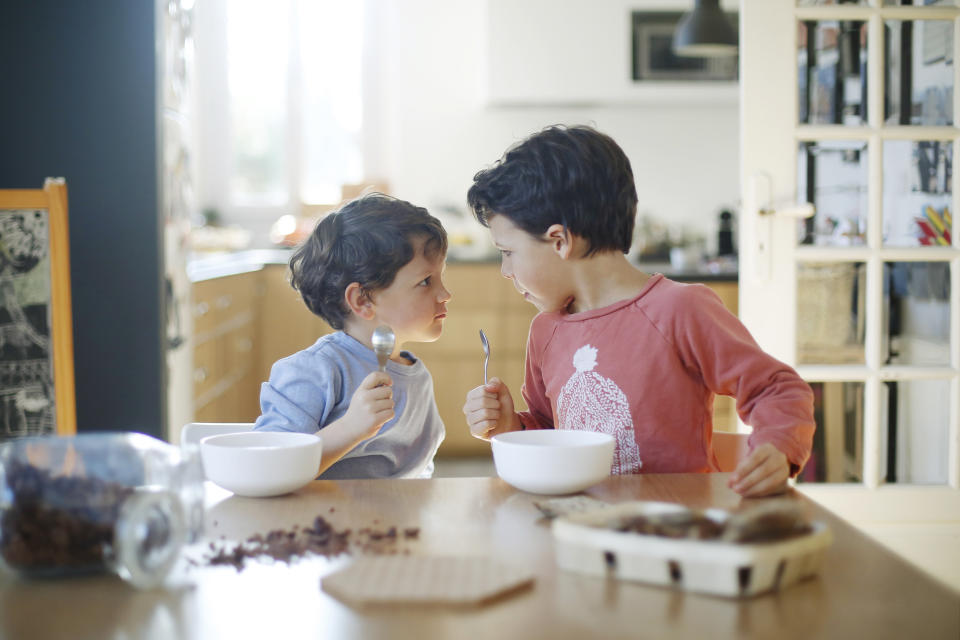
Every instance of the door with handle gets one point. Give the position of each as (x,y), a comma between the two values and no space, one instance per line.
(849,264)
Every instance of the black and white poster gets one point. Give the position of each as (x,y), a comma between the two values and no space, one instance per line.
(27,399)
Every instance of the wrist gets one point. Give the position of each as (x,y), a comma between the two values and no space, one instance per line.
(342,434)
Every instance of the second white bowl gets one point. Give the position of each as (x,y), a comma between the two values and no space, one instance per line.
(261,463)
(552,461)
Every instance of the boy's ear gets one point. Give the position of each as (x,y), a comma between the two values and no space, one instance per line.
(560,239)
(358,301)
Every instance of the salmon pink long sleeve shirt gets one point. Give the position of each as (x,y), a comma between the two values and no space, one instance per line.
(646,371)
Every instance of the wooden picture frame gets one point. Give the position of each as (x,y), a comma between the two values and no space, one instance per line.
(37,395)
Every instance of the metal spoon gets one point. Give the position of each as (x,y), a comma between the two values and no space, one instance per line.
(486,354)
(383,341)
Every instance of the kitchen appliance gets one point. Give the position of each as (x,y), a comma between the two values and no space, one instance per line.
(725,234)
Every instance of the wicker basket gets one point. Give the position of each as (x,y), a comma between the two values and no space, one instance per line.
(830,312)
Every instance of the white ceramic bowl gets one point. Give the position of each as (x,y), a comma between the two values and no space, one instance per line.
(552,461)
(261,463)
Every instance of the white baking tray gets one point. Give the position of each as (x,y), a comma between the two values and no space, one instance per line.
(587,543)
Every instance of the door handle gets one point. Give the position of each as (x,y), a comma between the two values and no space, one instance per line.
(763,197)
(799,211)
(763,203)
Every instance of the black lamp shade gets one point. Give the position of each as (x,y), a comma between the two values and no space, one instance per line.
(705,32)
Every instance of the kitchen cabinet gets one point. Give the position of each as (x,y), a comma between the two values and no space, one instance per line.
(226,338)
(482,299)
(259,317)
(243,323)
(246,322)
(287,326)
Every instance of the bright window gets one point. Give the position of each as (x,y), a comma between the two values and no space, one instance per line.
(290,125)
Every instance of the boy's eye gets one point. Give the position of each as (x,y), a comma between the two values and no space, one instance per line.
(425,282)
(505,253)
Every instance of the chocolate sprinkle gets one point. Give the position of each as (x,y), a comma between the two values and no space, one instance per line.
(58,522)
(318,539)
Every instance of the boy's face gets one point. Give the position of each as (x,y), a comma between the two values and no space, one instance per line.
(532,264)
(415,303)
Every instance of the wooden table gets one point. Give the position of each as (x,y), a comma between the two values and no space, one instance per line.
(863,590)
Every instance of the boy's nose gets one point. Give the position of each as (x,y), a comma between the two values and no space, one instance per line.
(445,294)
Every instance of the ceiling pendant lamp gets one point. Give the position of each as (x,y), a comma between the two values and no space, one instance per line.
(705,32)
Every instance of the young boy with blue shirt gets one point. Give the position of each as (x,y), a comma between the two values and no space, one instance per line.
(376,261)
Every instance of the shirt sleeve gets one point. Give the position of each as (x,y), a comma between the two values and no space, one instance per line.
(771,396)
(539,414)
(299,396)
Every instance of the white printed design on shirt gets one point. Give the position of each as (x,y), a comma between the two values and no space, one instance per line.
(590,402)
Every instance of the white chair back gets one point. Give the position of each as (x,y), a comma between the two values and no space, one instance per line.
(193,432)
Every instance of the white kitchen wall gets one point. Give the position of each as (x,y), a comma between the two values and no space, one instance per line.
(435,114)
(431,127)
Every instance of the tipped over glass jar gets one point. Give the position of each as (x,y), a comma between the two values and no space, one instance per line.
(94,502)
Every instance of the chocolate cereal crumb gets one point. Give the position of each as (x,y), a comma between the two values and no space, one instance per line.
(319,538)
(54,521)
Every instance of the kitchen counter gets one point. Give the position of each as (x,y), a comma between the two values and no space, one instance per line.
(699,273)
(207,266)
(862,590)
(203,266)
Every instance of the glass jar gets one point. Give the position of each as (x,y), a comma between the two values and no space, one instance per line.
(121,502)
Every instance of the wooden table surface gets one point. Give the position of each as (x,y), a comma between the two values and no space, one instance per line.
(863,591)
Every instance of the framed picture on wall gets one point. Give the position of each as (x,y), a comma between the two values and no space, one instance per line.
(36,328)
(653,57)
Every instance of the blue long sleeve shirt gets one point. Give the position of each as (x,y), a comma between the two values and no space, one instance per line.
(312,388)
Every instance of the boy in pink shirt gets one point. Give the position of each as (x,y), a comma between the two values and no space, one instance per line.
(615,349)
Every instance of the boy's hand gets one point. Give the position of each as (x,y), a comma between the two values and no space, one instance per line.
(371,405)
(489,410)
(762,473)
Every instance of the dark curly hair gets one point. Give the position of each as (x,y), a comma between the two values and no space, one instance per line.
(366,241)
(569,175)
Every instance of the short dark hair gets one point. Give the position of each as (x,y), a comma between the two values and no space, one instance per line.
(569,175)
(366,241)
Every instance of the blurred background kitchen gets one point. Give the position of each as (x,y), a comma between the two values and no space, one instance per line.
(201,139)
(412,107)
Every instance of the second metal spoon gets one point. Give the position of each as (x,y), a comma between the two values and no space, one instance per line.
(486,354)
